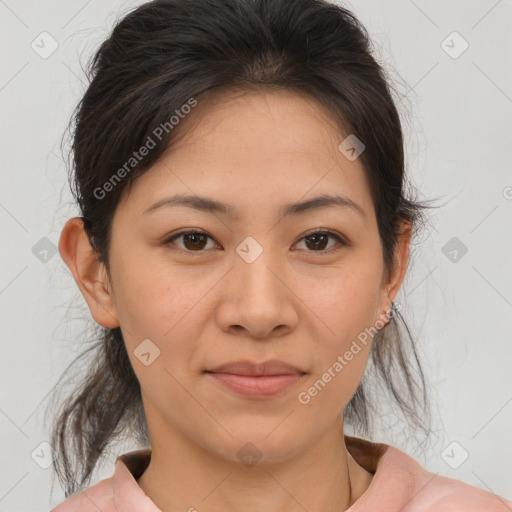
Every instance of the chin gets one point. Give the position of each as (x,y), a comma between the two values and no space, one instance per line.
(260,442)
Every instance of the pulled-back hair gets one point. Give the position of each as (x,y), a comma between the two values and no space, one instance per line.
(158,57)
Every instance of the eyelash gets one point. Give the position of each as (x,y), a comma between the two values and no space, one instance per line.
(340,240)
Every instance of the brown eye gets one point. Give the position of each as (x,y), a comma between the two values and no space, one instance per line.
(318,241)
(193,241)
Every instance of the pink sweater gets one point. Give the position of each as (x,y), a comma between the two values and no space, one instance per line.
(399,484)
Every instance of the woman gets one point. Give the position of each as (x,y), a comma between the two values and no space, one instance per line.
(244,232)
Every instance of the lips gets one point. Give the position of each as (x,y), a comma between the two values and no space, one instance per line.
(254,369)
(256,380)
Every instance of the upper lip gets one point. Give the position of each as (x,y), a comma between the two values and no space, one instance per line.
(273,367)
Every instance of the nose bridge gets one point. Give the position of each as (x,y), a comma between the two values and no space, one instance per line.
(255,298)
(258,293)
(256,266)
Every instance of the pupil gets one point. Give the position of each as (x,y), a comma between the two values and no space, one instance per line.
(195,240)
(317,236)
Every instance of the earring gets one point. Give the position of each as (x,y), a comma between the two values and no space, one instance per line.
(392,311)
(395,308)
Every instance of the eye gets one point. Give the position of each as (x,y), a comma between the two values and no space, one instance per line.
(318,239)
(196,240)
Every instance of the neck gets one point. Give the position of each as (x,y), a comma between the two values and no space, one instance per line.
(325,477)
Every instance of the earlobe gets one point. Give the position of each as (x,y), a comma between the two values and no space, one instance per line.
(89,274)
(401,260)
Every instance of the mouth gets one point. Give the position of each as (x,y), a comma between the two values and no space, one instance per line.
(251,368)
(256,380)
(263,386)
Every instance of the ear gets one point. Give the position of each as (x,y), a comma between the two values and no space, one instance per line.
(90,275)
(391,286)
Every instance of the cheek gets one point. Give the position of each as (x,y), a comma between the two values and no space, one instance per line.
(341,362)
(344,302)
(344,312)
(157,301)
(165,309)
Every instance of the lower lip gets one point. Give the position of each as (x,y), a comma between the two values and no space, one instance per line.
(257,386)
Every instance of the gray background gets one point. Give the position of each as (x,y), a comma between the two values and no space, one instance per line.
(457,111)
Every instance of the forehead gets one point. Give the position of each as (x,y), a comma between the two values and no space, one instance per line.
(299,121)
(255,148)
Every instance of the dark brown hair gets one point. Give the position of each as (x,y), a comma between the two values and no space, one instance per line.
(158,57)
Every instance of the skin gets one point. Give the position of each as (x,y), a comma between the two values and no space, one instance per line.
(296,302)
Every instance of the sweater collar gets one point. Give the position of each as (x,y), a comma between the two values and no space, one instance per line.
(396,475)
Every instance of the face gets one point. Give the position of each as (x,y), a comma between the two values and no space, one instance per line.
(254,284)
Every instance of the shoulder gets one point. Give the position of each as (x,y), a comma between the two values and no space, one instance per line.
(400,482)
(443,494)
(432,492)
(118,492)
(97,497)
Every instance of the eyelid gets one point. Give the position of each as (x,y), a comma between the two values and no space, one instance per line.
(342,241)
(186,231)
(328,231)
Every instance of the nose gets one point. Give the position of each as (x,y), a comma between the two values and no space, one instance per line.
(257,299)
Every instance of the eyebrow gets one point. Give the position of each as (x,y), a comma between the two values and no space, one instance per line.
(209,205)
